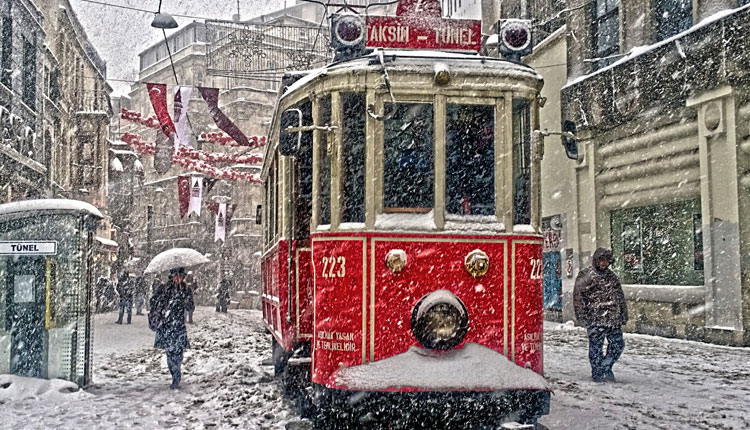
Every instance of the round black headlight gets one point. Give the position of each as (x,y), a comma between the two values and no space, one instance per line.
(439,320)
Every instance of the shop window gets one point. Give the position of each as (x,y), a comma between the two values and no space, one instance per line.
(521,162)
(672,17)
(658,244)
(470,160)
(353,157)
(324,162)
(408,158)
(632,239)
(605,32)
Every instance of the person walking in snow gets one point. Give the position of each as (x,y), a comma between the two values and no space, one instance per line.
(125,293)
(222,296)
(600,305)
(167,318)
(140,294)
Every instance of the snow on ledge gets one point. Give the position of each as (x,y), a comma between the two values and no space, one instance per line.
(406,221)
(16,388)
(473,367)
(687,294)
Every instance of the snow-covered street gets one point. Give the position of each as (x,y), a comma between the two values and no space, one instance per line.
(662,383)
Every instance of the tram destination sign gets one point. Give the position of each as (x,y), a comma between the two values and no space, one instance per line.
(418,24)
(28,247)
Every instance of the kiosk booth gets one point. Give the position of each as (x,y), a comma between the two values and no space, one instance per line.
(46,263)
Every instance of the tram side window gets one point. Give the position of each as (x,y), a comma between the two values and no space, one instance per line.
(521,162)
(408,158)
(303,188)
(324,168)
(353,157)
(470,160)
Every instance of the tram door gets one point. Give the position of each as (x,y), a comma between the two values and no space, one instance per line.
(25,315)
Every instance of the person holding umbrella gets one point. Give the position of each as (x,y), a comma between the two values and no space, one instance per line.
(169,304)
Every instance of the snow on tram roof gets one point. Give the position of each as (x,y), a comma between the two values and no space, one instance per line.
(58,205)
(410,57)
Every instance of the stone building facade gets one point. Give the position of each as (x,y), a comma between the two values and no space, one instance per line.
(658,92)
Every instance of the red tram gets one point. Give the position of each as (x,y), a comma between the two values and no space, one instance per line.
(403,255)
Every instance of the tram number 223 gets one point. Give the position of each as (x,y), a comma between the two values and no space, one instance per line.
(334,267)
(536,268)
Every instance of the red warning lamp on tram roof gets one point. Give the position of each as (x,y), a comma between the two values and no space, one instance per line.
(515,38)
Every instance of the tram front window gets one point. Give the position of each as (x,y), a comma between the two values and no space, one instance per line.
(470,160)
(324,163)
(521,162)
(408,158)
(353,157)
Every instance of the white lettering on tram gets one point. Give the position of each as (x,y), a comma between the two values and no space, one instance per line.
(389,33)
(335,341)
(455,36)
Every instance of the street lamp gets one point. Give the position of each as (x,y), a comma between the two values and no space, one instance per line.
(163,20)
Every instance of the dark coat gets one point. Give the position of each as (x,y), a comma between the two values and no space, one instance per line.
(170,301)
(125,290)
(597,296)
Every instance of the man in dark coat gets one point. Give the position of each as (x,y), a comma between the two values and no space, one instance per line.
(169,302)
(600,305)
(222,296)
(125,292)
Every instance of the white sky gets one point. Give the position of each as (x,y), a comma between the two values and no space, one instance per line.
(120,34)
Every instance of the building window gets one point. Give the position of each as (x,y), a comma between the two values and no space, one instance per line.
(6,61)
(605,32)
(658,244)
(408,158)
(672,17)
(470,160)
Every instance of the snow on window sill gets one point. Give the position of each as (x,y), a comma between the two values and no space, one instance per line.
(403,221)
(686,294)
(352,226)
(324,227)
(524,228)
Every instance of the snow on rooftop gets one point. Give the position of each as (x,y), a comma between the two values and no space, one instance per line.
(58,205)
(472,367)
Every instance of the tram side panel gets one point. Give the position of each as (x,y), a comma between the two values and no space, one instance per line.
(528,314)
(303,294)
(339,333)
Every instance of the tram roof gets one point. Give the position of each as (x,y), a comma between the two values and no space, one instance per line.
(31,207)
(417,58)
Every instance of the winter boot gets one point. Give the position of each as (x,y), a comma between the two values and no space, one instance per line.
(609,376)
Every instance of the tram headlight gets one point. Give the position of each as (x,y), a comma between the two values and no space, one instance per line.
(348,35)
(439,320)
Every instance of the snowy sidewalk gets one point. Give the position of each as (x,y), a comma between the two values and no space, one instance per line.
(224,383)
(661,384)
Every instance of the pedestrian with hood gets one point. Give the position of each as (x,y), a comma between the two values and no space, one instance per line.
(125,293)
(167,318)
(600,305)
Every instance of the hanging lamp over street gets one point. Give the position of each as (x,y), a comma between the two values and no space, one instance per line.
(163,20)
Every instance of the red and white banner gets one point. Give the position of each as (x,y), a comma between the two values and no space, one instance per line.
(221,223)
(211,96)
(181,101)
(196,195)
(183,194)
(158,95)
